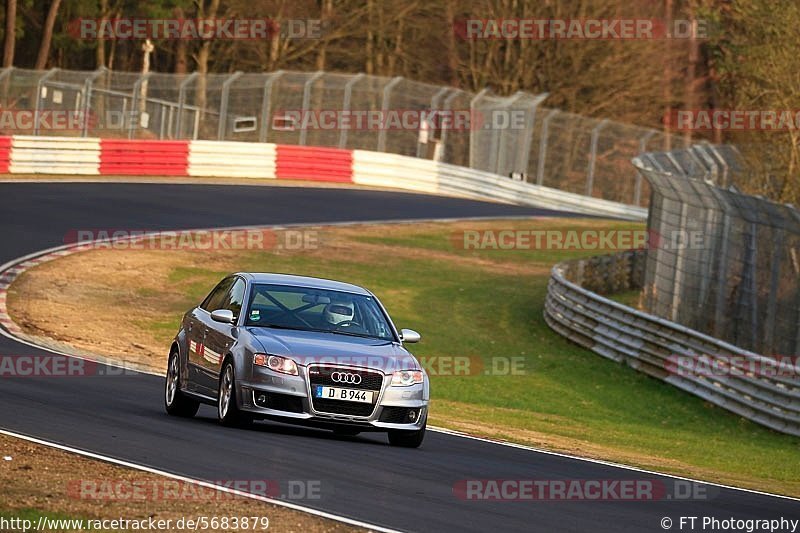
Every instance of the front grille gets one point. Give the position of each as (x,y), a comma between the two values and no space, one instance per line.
(279,402)
(321,375)
(397,415)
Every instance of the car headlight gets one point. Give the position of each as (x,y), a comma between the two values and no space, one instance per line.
(284,365)
(404,378)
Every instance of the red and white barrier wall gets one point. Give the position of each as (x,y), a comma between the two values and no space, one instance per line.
(231,159)
(5,154)
(22,154)
(143,158)
(53,155)
(314,163)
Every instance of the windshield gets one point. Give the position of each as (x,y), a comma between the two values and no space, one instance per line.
(307,309)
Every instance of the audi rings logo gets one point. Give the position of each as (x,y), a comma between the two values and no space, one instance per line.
(346,377)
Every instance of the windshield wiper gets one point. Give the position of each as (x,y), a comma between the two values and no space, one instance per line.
(276,326)
(317,330)
(363,336)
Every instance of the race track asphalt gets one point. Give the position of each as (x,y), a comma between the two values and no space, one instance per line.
(122,416)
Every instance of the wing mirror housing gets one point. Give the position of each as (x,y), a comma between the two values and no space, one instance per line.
(409,335)
(223,315)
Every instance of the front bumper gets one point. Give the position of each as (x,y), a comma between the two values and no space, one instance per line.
(269,394)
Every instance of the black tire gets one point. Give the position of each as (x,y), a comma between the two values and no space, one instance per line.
(227,407)
(175,401)
(407,439)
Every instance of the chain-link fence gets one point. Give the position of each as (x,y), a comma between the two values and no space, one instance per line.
(724,263)
(511,136)
(741,284)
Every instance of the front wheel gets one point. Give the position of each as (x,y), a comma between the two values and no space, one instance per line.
(175,401)
(407,439)
(227,408)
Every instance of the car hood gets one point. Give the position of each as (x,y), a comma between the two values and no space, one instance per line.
(306,347)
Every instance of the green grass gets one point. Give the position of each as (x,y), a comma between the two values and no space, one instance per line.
(565,392)
(629,298)
(450,240)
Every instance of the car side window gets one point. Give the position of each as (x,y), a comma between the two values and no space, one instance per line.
(216,298)
(234,299)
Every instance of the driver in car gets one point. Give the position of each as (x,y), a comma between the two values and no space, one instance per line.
(339,314)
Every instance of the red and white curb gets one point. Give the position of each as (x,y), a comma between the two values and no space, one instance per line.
(11,271)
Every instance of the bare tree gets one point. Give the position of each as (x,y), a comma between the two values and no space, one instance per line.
(181,47)
(667,80)
(326,14)
(47,35)
(10,39)
(202,56)
(100,51)
(691,68)
(758,65)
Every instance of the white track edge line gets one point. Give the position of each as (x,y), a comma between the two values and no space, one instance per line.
(12,263)
(200,483)
(606,463)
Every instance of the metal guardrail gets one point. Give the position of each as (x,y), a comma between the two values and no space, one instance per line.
(380,169)
(659,348)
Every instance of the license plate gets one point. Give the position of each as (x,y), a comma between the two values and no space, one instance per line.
(348,395)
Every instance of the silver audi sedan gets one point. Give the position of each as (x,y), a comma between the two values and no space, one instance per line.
(300,350)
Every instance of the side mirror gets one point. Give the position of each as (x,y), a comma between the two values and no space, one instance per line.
(223,315)
(409,335)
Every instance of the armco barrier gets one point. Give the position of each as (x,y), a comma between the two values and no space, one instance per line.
(716,371)
(410,173)
(65,155)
